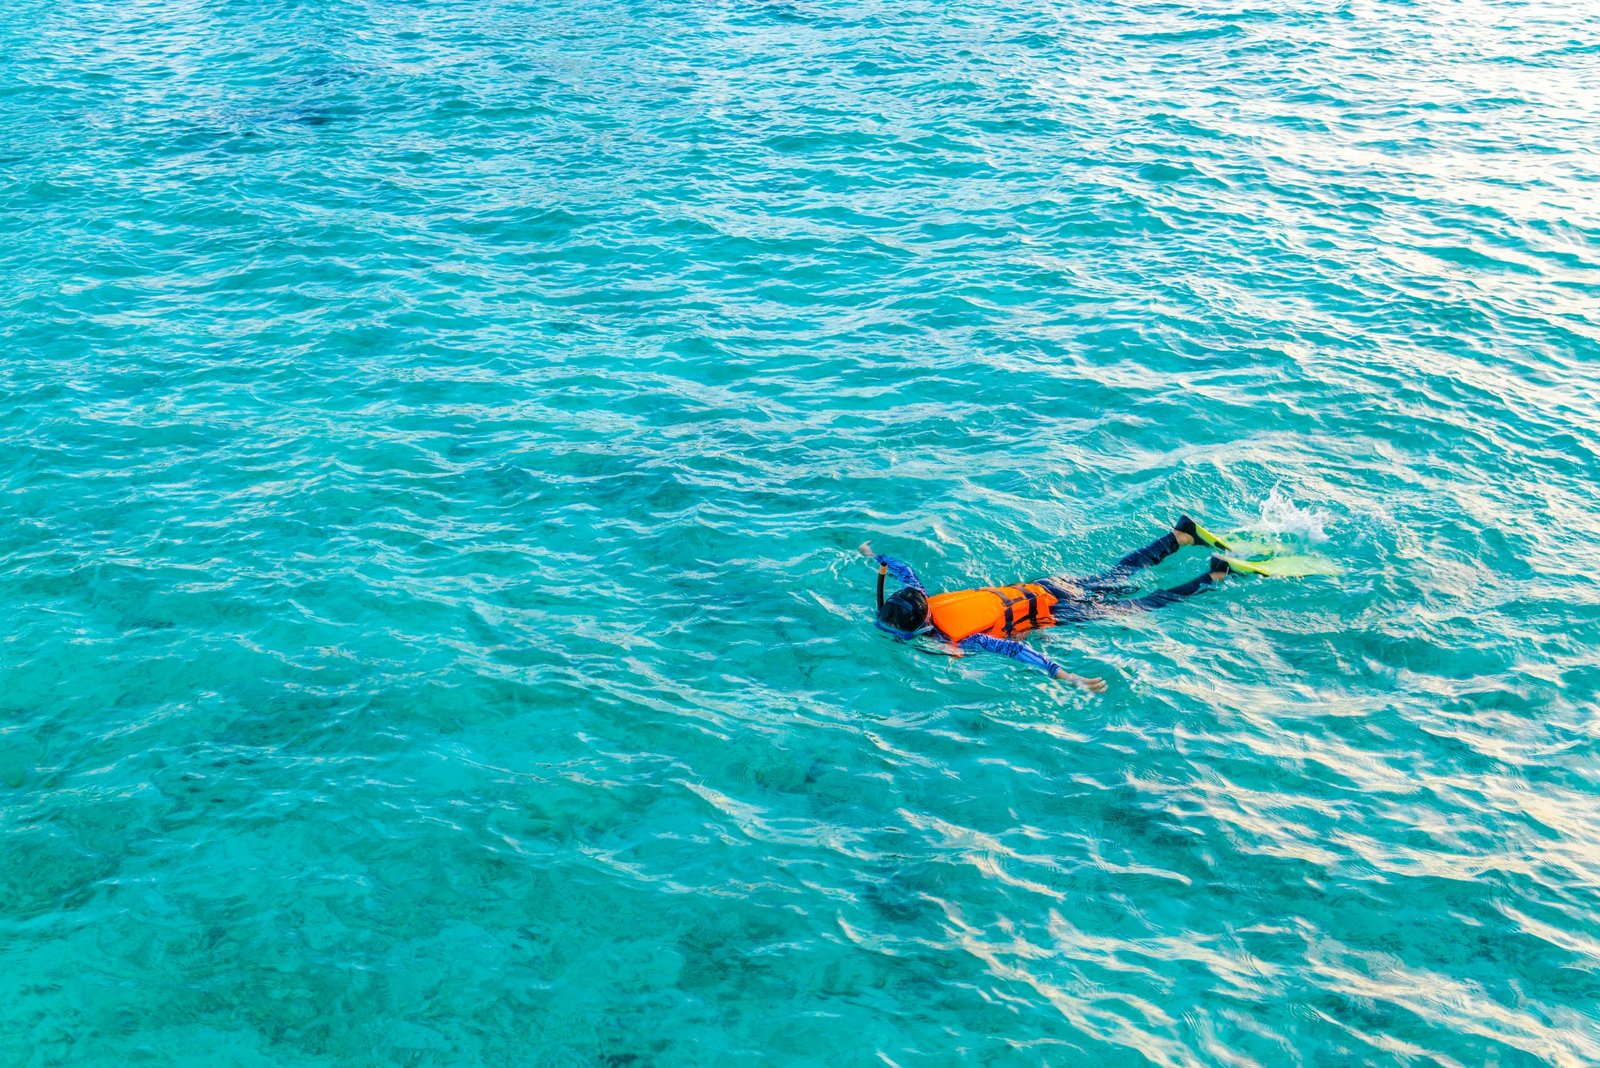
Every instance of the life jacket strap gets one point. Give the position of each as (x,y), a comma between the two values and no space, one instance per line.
(1010,604)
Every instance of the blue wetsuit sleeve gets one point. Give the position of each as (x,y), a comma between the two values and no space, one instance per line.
(901,571)
(1018,651)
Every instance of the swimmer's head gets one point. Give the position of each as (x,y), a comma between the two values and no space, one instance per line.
(905,614)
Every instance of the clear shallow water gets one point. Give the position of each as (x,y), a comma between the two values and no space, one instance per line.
(435,438)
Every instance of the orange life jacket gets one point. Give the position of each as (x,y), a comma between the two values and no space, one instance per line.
(1003,611)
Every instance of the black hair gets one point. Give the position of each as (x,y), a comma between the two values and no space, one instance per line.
(906,611)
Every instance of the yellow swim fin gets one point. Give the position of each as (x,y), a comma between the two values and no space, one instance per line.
(1209,538)
(1284,566)
(1199,533)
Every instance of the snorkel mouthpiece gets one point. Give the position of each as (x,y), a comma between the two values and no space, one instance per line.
(903,635)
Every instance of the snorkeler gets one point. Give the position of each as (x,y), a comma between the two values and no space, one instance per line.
(990,618)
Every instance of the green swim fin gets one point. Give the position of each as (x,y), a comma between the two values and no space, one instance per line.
(1209,538)
(1199,533)
(1303,566)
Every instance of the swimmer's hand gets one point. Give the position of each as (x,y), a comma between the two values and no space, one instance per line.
(865,550)
(1092,685)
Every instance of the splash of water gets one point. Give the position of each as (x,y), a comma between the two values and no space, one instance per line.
(1283,518)
(1284,531)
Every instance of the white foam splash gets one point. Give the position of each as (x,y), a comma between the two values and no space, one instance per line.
(1282,517)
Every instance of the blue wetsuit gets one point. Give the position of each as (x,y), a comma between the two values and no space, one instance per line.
(1078,599)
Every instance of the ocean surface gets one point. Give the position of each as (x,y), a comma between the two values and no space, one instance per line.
(435,440)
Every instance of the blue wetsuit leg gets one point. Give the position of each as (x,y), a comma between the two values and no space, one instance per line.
(1086,598)
(1165,597)
(1100,606)
(1115,579)
(1119,574)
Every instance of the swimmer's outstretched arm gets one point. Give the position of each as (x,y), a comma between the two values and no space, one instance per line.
(1026,654)
(899,569)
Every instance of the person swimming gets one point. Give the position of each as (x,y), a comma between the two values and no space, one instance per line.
(988,619)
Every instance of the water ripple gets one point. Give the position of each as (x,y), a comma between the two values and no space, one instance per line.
(436,440)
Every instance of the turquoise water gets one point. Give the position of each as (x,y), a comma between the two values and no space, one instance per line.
(435,441)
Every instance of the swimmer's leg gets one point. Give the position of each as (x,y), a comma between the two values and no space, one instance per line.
(1116,578)
(1219,571)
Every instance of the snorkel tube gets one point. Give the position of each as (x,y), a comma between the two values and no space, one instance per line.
(883,569)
